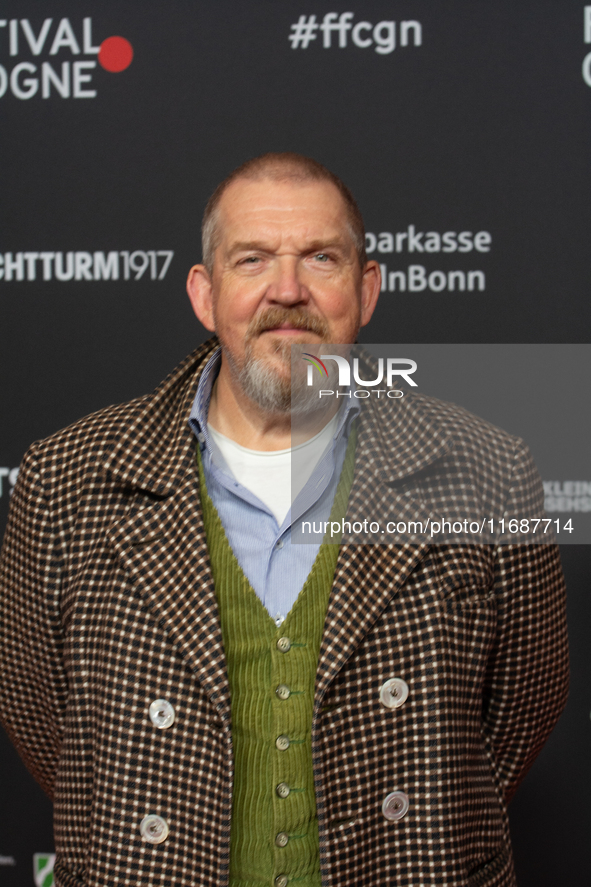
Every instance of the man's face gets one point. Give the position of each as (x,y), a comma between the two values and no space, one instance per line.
(285,271)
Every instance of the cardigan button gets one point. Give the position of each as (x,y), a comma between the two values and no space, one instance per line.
(280,881)
(283,790)
(161,714)
(394,693)
(395,806)
(154,829)
(282,839)
(282,743)
(283,645)
(283,691)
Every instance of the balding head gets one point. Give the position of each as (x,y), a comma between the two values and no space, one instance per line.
(281,167)
(284,246)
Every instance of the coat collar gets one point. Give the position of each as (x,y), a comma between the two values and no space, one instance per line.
(155,450)
(397,437)
(155,453)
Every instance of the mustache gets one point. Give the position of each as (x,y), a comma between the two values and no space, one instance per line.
(299,318)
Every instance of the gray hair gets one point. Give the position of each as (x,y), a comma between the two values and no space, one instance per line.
(284,166)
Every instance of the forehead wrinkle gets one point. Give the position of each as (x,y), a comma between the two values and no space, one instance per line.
(276,245)
(254,228)
(243,207)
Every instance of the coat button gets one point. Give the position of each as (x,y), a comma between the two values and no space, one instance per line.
(282,743)
(395,805)
(282,839)
(280,881)
(154,829)
(161,714)
(283,645)
(283,691)
(394,693)
(283,790)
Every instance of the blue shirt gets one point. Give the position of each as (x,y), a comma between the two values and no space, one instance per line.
(276,568)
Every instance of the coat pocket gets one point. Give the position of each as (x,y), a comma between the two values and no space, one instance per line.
(493,871)
(64,878)
(465,575)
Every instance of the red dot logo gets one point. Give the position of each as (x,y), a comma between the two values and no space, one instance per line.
(115,54)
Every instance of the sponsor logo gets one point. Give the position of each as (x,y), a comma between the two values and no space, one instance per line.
(414,241)
(567,495)
(53,76)
(43,869)
(8,478)
(121,264)
(417,278)
(383,37)
(587,39)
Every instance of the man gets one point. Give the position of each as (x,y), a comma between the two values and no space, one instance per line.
(207,703)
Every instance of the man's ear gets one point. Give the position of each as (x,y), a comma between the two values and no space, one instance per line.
(199,288)
(371,283)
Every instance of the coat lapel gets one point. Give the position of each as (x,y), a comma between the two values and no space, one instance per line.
(396,440)
(156,449)
(162,544)
(163,550)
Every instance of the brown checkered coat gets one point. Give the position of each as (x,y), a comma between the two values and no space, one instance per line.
(107,603)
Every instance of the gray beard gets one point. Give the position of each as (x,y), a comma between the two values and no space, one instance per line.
(273,394)
(259,382)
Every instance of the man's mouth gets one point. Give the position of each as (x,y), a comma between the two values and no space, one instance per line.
(284,322)
(287,329)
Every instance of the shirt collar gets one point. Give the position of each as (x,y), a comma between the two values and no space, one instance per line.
(200,408)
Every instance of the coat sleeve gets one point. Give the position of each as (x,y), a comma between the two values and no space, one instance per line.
(527,676)
(33,688)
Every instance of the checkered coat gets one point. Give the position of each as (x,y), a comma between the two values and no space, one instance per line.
(107,604)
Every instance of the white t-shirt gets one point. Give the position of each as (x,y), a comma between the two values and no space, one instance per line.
(269,475)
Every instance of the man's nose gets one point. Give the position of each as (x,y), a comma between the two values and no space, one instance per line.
(287,287)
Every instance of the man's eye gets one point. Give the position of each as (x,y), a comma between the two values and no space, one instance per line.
(322,257)
(250,260)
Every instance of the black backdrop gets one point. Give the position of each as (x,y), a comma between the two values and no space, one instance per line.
(456,116)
